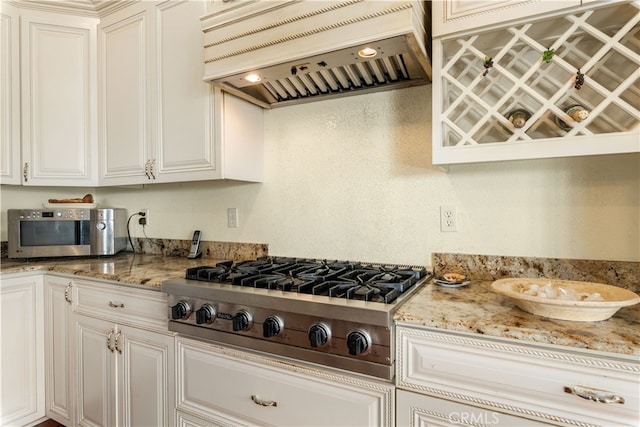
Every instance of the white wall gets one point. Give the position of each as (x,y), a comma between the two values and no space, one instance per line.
(351,178)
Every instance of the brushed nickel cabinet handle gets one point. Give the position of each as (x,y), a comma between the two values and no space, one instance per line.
(67,298)
(261,402)
(147,166)
(152,169)
(25,172)
(593,394)
(109,341)
(116,304)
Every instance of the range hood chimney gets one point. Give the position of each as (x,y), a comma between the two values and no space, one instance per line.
(278,53)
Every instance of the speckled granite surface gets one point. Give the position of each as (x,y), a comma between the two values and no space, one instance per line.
(140,269)
(163,258)
(487,267)
(209,249)
(477,309)
(474,309)
(180,248)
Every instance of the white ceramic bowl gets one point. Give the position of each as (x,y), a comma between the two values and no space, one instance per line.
(585,311)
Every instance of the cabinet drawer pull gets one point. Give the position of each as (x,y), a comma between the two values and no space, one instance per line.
(67,298)
(109,346)
(594,394)
(261,402)
(116,304)
(118,345)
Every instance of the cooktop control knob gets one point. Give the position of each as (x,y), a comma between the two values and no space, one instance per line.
(181,310)
(272,326)
(241,320)
(358,342)
(206,314)
(318,335)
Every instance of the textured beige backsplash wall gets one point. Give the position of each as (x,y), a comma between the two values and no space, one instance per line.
(352,179)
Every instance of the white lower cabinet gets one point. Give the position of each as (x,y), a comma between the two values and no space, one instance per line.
(124,361)
(220,386)
(123,374)
(455,378)
(21,350)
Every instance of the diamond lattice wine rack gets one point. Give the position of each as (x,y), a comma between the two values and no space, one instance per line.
(498,99)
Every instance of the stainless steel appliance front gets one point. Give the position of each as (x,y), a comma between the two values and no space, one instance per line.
(58,232)
(332,313)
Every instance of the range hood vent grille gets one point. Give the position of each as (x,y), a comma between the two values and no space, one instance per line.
(335,80)
(331,66)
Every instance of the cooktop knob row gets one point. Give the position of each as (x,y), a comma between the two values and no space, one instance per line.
(181,310)
(206,314)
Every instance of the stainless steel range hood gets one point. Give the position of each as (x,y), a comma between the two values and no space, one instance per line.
(303,51)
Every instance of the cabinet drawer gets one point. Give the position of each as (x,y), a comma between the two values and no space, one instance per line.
(522,379)
(215,381)
(415,409)
(121,304)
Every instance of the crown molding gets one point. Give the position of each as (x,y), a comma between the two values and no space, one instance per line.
(90,8)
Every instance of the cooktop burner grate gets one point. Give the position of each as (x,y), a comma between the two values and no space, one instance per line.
(335,279)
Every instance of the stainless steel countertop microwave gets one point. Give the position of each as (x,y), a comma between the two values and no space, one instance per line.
(66,231)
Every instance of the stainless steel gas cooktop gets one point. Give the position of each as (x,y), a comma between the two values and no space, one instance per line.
(333,313)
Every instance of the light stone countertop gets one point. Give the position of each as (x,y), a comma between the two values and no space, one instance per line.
(477,309)
(473,309)
(141,270)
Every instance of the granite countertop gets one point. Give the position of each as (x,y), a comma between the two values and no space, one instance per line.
(477,309)
(473,309)
(140,270)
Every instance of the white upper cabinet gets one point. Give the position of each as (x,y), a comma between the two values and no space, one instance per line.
(561,86)
(126,85)
(452,16)
(10,89)
(58,99)
(159,121)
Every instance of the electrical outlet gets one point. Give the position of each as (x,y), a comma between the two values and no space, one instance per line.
(448,218)
(232,217)
(146,217)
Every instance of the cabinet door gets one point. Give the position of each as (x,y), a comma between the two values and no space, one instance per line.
(96,363)
(10,88)
(159,121)
(413,409)
(145,377)
(58,362)
(185,147)
(125,60)
(59,132)
(21,350)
